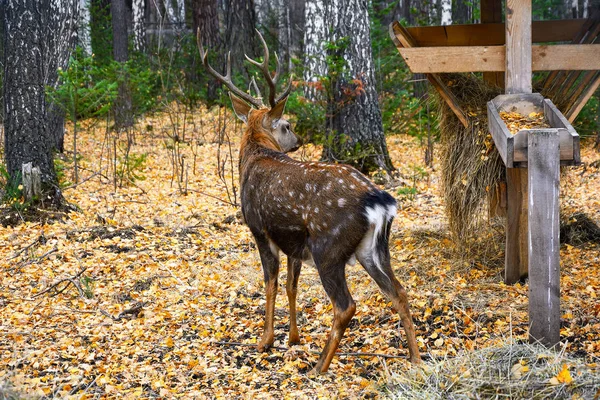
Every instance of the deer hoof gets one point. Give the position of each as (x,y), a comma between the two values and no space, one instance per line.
(265,344)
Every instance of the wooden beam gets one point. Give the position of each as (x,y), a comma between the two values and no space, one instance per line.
(491,12)
(402,39)
(516,255)
(543,238)
(583,98)
(492,58)
(492,34)
(518,46)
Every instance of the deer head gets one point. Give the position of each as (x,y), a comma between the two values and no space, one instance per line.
(251,110)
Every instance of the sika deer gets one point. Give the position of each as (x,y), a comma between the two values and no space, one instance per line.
(326,215)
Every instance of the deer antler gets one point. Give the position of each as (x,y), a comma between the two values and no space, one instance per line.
(226,80)
(271,80)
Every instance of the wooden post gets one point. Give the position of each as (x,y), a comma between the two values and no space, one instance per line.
(516,259)
(518,46)
(491,11)
(543,238)
(518,80)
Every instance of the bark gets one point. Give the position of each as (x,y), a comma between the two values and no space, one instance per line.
(138,8)
(240,37)
(206,18)
(355,129)
(27,138)
(83,32)
(316,34)
(446,12)
(59,41)
(123,106)
(462,12)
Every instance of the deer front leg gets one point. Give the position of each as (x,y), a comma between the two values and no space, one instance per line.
(269,256)
(291,287)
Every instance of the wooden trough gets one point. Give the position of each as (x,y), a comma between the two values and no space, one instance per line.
(541,151)
(513,148)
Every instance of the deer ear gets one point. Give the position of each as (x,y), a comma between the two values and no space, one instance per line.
(276,112)
(241,108)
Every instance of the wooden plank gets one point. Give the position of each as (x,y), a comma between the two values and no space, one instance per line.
(572,57)
(492,34)
(502,137)
(580,102)
(586,35)
(518,46)
(492,58)
(557,120)
(491,12)
(448,97)
(454,59)
(543,237)
(402,39)
(516,256)
(588,77)
(521,144)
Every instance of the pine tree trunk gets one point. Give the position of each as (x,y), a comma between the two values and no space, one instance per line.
(26,135)
(205,14)
(355,127)
(123,106)
(240,36)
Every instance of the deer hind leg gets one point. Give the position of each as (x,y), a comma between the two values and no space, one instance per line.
(269,256)
(291,287)
(377,263)
(334,282)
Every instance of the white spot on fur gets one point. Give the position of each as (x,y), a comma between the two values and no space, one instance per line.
(341,202)
(328,202)
(316,210)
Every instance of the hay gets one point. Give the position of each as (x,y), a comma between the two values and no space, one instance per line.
(516,371)
(578,228)
(471,165)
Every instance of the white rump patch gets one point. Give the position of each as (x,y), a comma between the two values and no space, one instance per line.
(378,217)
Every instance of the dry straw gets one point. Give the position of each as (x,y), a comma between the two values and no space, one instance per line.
(471,165)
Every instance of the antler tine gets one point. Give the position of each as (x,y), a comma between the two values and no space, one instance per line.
(264,67)
(286,91)
(226,80)
(254,86)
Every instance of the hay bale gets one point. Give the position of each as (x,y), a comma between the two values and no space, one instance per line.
(515,370)
(471,165)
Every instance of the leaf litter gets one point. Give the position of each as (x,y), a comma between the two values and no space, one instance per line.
(156,292)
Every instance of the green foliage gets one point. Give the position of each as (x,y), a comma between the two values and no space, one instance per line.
(101,31)
(587,123)
(87,285)
(60,166)
(308,117)
(12,190)
(85,89)
(131,166)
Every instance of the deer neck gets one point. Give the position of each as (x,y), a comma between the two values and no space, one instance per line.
(256,142)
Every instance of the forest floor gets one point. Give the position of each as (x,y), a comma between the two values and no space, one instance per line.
(151,291)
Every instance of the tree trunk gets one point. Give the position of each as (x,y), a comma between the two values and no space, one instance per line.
(205,16)
(83,32)
(138,10)
(446,12)
(240,37)
(355,131)
(26,135)
(59,40)
(316,34)
(123,106)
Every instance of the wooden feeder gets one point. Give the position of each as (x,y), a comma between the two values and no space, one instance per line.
(506,54)
(513,148)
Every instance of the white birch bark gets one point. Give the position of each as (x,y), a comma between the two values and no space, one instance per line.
(316,33)
(139,29)
(446,12)
(84,27)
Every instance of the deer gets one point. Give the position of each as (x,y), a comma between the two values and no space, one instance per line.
(322,214)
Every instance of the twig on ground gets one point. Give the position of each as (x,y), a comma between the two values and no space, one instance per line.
(214,197)
(70,280)
(133,311)
(39,239)
(34,261)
